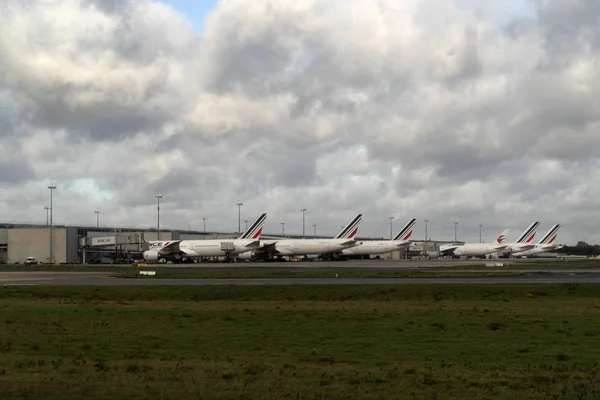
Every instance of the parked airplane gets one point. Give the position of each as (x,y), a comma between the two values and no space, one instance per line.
(544,245)
(178,250)
(369,247)
(301,247)
(475,249)
(525,241)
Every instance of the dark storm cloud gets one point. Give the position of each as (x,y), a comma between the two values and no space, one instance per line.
(15,171)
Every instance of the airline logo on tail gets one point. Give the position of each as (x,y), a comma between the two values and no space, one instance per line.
(502,237)
(255,229)
(407,231)
(550,237)
(529,233)
(351,229)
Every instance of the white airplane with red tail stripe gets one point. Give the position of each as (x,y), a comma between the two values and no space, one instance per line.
(544,245)
(525,241)
(301,247)
(368,247)
(177,250)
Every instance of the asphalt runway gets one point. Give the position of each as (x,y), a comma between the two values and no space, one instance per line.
(341,265)
(37,278)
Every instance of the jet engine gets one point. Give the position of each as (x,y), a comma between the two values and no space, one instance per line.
(245,256)
(151,255)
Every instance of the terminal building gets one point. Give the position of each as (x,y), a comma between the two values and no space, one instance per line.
(83,244)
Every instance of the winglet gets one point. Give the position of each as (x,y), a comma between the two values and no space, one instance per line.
(407,231)
(255,229)
(351,229)
(529,233)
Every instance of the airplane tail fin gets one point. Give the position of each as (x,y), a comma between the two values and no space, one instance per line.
(407,231)
(550,236)
(351,229)
(502,238)
(255,229)
(529,233)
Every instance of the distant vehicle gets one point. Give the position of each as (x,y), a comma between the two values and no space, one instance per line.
(30,260)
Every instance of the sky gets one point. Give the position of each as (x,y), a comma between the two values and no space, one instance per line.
(471,111)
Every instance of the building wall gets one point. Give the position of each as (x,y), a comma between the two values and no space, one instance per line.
(35,242)
(72,250)
(200,236)
(152,236)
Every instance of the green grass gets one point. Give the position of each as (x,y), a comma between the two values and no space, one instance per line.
(308,342)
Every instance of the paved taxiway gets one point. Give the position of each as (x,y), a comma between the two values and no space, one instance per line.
(35,278)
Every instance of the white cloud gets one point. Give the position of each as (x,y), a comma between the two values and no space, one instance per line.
(462,111)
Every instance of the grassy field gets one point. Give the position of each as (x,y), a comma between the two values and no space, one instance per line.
(272,342)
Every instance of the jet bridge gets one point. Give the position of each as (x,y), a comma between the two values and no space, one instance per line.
(118,247)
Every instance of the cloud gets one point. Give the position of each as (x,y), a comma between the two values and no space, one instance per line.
(460,111)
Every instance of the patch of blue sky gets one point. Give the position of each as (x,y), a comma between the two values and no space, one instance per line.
(499,13)
(195,10)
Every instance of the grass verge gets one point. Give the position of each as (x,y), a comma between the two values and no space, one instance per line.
(335,342)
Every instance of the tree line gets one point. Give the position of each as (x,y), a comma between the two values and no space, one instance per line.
(581,249)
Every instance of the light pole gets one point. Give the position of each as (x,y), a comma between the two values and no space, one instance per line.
(455,228)
(315,230)
(283,229)
(391,219)
(47,209)
(158,197)
(97,219)
(246,222)
(426,221)
(204,221)
(239,219)
(480,233)
(303,211)
(51,224)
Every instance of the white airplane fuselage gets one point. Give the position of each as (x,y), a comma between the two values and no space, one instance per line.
(212,247)
(375,247)
(203,248)
(298,247)
(536,250)
(519,247)
(476,249)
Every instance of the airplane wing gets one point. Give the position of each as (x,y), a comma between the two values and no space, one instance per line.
(172,246)
(448,249)
(255,243)
(350,243)
(267,247)
(524,247)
